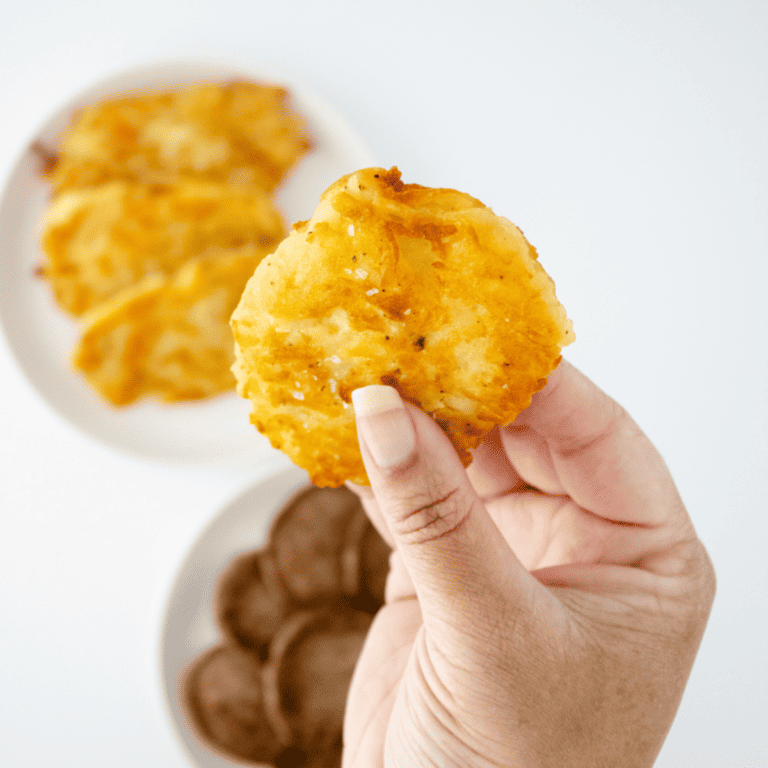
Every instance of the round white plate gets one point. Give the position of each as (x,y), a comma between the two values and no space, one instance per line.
(42,337)
(189,627)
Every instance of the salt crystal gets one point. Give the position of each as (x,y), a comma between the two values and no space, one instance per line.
(371,291)
(298,395)
(361,274)
(332,385)
(334,359)
(407,312)
(348,271)
(351,230)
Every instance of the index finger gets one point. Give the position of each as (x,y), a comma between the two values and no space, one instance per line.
(603,460)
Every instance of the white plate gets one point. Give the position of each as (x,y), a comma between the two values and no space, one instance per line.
(189,627)
(42,337)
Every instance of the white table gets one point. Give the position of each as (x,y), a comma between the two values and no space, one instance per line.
(629,143)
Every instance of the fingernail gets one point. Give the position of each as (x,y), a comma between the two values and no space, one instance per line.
(384,424)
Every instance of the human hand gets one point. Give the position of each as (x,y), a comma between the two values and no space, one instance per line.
(544,607)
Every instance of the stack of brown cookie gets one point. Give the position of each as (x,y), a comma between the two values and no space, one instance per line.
(293,614)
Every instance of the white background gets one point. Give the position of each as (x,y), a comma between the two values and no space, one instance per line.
(629,140)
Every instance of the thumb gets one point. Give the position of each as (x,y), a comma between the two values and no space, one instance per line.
(460,564)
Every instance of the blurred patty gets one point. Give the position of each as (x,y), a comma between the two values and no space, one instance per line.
(238,132)
(99,240)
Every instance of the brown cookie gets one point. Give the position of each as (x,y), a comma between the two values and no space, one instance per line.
(308,673)
(223,694)
(251,603)
(350,556)
(364,564)
(308,538)
(293,757)
(374,566)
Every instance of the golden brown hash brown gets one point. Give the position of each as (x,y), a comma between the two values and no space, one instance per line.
(100,240)
(167,336)
(238,132)
(426,290)
(163,203)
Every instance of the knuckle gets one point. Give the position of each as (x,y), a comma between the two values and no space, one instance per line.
(616,423)
(423,518)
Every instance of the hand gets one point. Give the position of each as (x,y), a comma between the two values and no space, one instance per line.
(544,608)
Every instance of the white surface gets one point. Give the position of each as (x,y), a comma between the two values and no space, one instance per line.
(42,337)
(628,140)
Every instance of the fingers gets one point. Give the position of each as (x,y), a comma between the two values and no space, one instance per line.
(457,559)
(546,531)
(599,456)
(490,472)
(532,459)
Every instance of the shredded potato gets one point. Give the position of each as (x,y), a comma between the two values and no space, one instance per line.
(239,132)
(100,240)
(167,336)
(426,290)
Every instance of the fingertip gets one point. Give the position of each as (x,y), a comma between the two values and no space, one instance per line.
(375,398)
(555,381)
(384,427)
